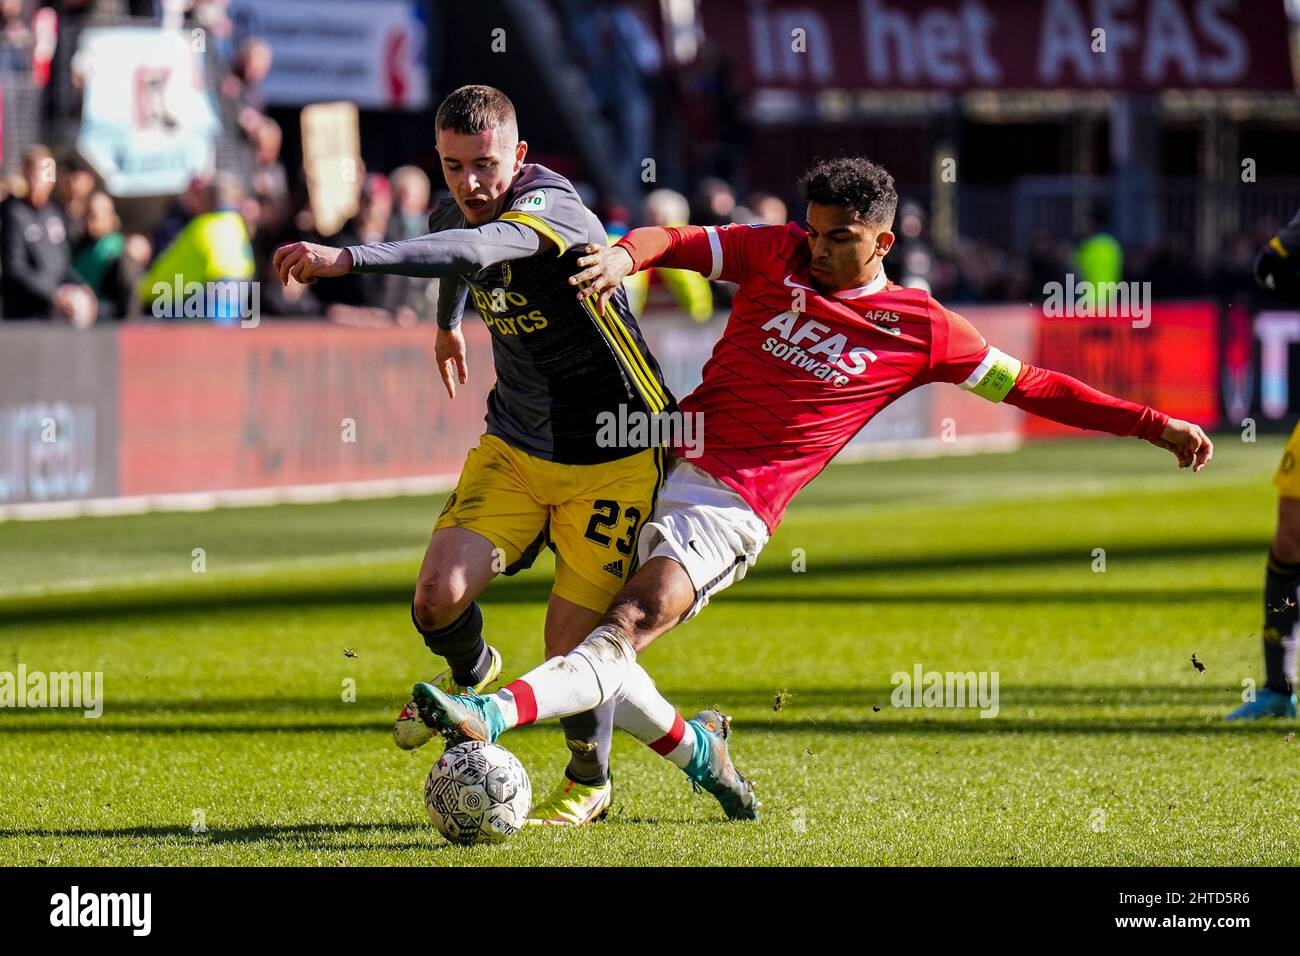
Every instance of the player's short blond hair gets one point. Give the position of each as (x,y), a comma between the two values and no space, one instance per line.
(473,109)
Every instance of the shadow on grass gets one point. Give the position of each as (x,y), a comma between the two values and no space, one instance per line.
(925,723)
(797,700)
(820,583)
(67,724)
(799,712)
(973,725)
(313,835)
(326,836)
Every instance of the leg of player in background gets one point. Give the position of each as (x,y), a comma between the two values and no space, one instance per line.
(1281,617)
(1282,593)
(588,734)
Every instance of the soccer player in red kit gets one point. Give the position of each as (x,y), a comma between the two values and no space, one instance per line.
(818,341)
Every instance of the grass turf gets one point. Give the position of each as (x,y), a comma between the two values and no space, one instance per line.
(224,689)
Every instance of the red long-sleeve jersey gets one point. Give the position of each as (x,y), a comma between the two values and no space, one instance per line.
(797,372)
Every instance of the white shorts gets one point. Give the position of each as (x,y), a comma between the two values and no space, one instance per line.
(704,526)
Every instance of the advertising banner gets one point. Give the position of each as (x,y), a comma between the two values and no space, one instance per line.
(58,414)
(212,409)
(147,125)
(331,157)
(1172,364)
(374,54)
(1261,377)
(1136,46)
(135,412)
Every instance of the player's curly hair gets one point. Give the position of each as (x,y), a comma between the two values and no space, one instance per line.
(473,109)
(854,182)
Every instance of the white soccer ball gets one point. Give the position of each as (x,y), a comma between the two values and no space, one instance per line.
(478,793)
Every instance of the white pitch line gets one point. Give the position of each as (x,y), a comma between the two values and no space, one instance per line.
(244,570)
(233,498)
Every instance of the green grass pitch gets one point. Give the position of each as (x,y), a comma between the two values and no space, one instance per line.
(224,689)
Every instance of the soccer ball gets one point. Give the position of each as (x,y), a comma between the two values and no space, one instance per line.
(478,793)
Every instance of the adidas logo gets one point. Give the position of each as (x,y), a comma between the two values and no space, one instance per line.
(615,568)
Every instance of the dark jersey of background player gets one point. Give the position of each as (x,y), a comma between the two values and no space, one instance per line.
(1277,266)
(558,364)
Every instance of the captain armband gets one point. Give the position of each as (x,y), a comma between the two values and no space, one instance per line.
(993,377)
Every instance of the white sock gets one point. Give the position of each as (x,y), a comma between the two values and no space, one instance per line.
(584,678)
(646,714)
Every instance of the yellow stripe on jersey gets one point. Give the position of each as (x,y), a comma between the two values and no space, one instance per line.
(647,388)
(533,222)
(617,322)
(654,394)
(1277,246)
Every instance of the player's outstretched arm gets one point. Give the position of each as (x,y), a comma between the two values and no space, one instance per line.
(449,252)
(1063,398)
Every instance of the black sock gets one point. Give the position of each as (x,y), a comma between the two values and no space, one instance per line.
(1281,611)
(462,644)
(589,737)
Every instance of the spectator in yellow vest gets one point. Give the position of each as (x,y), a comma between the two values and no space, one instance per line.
(1098,258)
(664,207)
(214,246)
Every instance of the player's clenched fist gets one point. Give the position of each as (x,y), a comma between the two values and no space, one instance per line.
(307,261)
(1188,442)
(608,266)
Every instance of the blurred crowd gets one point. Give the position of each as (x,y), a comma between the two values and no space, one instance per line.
(66,255)
(977,271)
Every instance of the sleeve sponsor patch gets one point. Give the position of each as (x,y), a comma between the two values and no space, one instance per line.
(994,376)
(535,201)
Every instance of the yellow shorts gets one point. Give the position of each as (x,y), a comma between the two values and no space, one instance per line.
(1287,476)
(590,514)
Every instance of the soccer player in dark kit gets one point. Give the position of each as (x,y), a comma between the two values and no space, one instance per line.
(509,234)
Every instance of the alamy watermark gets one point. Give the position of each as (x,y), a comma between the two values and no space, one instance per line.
(224,301)
(77,690)
(1104,300)
(634,428)
(132,911)
(959,689)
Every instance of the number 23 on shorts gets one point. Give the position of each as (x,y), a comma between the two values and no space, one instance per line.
(613,524)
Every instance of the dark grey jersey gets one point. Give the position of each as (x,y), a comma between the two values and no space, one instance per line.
(559,365)
(1277,265)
